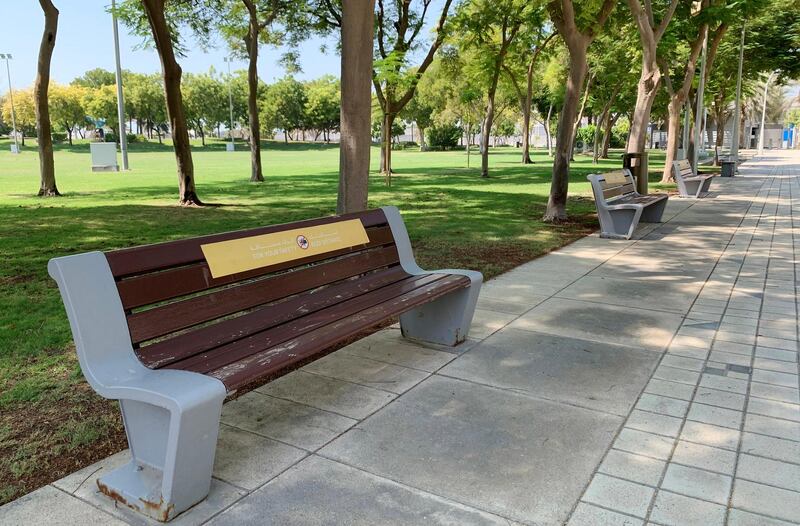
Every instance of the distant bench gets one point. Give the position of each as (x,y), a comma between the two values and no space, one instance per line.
(620,207)
(154,329)
(689,184)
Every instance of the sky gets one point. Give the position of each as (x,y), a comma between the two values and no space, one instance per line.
(85,41)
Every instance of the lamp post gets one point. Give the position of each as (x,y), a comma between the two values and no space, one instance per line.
(699,112)
(737,111)
(7,57)
(123,138)
(763,116)
(228,60)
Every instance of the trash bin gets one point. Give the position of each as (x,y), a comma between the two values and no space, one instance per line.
(637,164)
(728,168)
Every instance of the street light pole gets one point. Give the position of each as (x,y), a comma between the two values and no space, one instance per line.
(123,138)
(699,113)
(7,57)
(763,116)
(736,112)
(230,102)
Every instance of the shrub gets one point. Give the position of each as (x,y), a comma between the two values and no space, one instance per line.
(132,137)
(59,136)
(443,137)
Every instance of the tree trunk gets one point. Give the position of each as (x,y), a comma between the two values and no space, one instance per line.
(357,39)
(172,91)
(579,118)
(673,131)
(486,130)
(202,134)
(646,92)
(547,131)
(609,127)
(47,186)
(251,44)
(557,202)
(386,146)
(422,146)
(69,134)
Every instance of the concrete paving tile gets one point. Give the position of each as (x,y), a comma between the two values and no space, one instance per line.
(771,447)
(764,425)
(733,347)
(642,294)
(774,408)
(579,372)
(248,460)
(526,293)
(697,483)
(682,362)
(603,323)
(379,375)
(677,510)
(662,405)
(690,340)
(776,354)
(589,515)
(775,343)
(487,322)
(74,481)
(729,358)
(620,495)
(775,392)
(676,375)
(389,346)
(345,398)
(710,435)
(637,468)
(299,425)
(670,389)
(766,500)
(774,365)
(686,351)
(654,423)
(318,491)
(48,505)
(719,398)
(736,337)
(704,457)
(509,307)
(723,383)
(718,416)
(770,472)
(776,378)
(467,442)
(642,443)
(738,517)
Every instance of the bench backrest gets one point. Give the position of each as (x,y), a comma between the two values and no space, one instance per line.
(617,183)
(682,167)
(172,302)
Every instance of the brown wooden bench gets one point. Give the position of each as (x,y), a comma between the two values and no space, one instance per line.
(689,184)
(620,207)
(154,329)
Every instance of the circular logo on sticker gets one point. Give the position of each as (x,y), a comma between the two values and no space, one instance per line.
(302,242)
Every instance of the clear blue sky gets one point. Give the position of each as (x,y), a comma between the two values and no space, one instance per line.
(85,41)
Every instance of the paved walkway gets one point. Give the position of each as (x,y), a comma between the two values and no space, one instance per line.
(611,382)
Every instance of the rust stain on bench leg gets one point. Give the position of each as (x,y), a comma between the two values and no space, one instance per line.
(156,510)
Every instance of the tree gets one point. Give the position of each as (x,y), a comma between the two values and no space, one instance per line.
(398,27)
(357,23)
(95,78)
(323,105)
(24,111)
(146,94)
(419,110)
(650,34)
(578,30)
(101,105)
(205,99)
(283,106)
(66,107)
(489,27)
(47,169)
(162,36)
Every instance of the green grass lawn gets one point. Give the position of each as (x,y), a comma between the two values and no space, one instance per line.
(52,424)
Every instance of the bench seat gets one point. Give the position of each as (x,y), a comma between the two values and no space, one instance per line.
(620,207)
(156,330)
(690,185)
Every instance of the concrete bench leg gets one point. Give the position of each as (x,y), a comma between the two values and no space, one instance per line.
(691,189)
(705,186)
(447,320)
(654,212)
(618,224)
(173,457)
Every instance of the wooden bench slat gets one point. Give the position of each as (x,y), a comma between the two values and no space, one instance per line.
(150,288)
(619,190)
(158,321)
(149,258)
(278,359)
(182,346)
(223,355)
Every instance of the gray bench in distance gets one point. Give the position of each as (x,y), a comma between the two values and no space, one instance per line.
(689,184)
(620,207)
(157,329)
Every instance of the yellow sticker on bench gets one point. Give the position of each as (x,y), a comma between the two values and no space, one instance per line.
(239,255)
(615,177)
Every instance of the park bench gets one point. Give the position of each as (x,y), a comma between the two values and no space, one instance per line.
(689,184)
(173,330)
(620,207)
